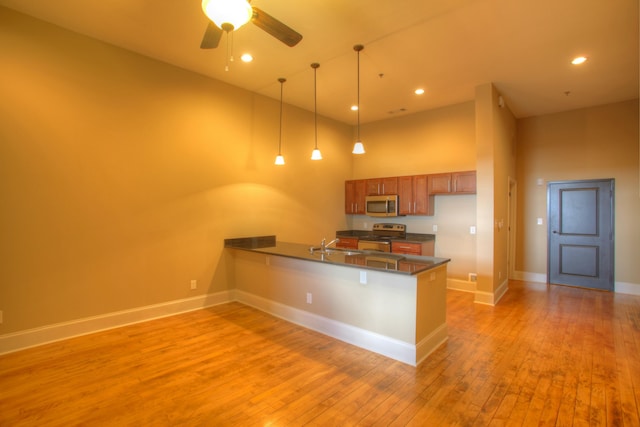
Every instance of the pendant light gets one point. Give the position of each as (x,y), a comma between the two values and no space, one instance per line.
(280,157)
(358,148)
(315,155)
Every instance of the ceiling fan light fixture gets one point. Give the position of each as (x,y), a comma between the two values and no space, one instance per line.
(229,15)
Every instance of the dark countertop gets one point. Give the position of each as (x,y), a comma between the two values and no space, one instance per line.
(370,260)
(410,238)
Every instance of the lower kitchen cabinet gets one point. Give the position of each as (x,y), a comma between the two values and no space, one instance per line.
(347,243)
(413,248)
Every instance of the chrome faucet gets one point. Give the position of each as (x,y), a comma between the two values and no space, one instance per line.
(324,245)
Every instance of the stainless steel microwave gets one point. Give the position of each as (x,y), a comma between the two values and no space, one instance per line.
(382,205)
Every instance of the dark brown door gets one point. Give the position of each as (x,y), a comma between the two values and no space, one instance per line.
(581,227)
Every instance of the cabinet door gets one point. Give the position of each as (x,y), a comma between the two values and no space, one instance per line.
(354,195)
(440,183)
(382,186)
(423,200)
(405,195)
(464,182)
(347,243)
(390,185)
(406,248)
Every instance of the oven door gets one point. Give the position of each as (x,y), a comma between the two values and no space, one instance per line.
(372,245)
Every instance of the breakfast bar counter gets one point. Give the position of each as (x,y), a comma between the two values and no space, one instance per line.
(370,260)
(390,304)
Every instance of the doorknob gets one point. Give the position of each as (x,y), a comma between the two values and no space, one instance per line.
(554,232)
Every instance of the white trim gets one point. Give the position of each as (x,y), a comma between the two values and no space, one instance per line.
(430,343)
(619,287)
(60,331)
(627,288)
(381,344)
(461,285)
(492,298)
(529,277)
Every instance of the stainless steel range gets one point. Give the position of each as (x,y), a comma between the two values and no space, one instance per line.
(381,236)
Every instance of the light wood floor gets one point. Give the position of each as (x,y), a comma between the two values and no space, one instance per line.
(544,356)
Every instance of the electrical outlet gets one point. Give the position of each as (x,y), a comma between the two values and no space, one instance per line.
(194,284)
(363,277)
(435,228)
(309,298)
(473,277)
(472,229)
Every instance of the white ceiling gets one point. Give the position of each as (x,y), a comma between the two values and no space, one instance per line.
(447,47)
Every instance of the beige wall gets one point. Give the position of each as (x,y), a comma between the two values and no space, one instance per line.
(598,142)
(120,176)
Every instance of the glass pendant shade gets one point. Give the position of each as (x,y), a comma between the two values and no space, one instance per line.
(223,13)
(358,148)
(316,155)
(279,160)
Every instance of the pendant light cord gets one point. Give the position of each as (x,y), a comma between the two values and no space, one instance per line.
(358,95)
(281,80)
(315,102)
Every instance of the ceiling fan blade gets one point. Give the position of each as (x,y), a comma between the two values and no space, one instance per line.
(211,37)
(276,28)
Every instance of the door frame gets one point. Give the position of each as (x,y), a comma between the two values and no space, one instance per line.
(550,226)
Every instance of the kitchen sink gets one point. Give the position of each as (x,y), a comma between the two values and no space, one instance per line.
(317,250)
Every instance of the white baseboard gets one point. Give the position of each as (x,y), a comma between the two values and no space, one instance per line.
(492,298)
(461,285)
(627,288)
(529,277)
(381,344)
(61,331)
(430,343)
(619,287)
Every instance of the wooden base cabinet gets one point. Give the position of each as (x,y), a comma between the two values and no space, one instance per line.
(413,248)
(347,243)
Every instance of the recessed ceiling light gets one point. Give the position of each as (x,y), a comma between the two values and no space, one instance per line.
(419,91)
(354,108)
(579,60)
(246,57)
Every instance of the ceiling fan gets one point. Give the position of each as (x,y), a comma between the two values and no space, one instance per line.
(229,15)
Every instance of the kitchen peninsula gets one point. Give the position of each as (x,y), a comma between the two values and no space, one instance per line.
(391,304)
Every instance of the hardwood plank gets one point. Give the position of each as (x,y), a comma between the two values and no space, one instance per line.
(547,355)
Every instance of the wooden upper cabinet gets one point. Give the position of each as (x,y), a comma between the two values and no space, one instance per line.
(405,195)
(453,183)
(382,186)
(415,193)
(354,196)
(464,182)
(440,183)
(413,196)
